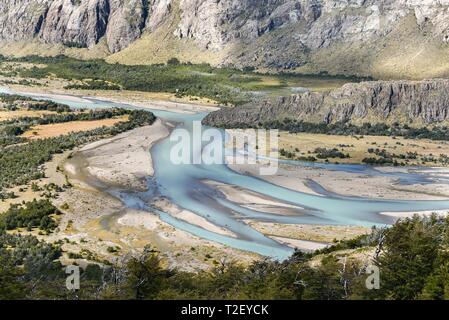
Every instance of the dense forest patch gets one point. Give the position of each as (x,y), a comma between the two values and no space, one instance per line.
(34,214)
(227,86)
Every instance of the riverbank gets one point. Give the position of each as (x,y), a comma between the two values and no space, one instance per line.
(358,149)
(303,237)
(51,89)
(315,180)
(124,163)
(101,173)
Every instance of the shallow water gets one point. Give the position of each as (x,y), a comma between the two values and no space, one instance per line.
(185,186)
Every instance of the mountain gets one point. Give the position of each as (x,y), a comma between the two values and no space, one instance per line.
(409,102)
(380,38)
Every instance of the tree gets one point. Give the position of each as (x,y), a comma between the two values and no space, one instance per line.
(408,256)
(323,282)
(11,287)
(173,62)
(145,275)
(437,285)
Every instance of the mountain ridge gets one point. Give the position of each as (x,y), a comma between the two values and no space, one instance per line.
(388,39)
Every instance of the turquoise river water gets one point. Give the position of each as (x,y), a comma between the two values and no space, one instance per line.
(184,185)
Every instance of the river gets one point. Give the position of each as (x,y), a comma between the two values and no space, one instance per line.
(185,186)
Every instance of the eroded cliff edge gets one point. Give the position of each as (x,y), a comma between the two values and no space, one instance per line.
(409,102)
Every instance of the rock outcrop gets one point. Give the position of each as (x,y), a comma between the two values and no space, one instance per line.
(80,23)
(261,33)
(415,102)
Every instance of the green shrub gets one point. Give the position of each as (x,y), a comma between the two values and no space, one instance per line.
(34,214)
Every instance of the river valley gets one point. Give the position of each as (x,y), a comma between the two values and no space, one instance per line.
(199,190)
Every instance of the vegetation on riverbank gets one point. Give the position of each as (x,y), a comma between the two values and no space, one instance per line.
(364,149)
(440,133)
(373,144)
(412,258)
(13,102)
(22,163)
(226,86)
(34,214)
(22,159)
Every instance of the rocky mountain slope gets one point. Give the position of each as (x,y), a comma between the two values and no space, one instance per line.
(417,102)
(79,23)
(370,37)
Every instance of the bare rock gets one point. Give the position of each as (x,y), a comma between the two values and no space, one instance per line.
(423,102)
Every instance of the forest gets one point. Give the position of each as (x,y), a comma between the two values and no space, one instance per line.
(412,257)
(224,85)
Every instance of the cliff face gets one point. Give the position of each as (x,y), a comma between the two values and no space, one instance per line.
(261,33)
(380,101)
(80,23)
